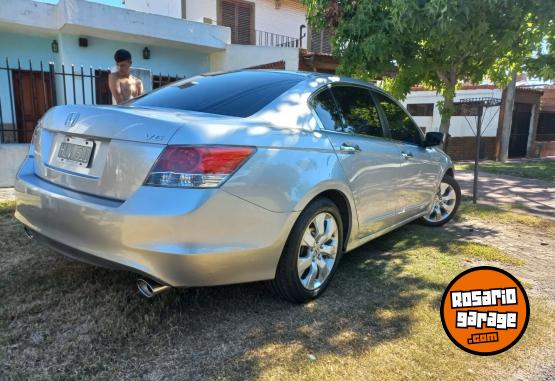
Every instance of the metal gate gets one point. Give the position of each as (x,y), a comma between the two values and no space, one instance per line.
(520,129)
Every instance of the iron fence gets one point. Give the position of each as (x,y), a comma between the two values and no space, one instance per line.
(28,91)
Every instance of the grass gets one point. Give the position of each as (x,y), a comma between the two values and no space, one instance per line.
(480,251)
(537,169)
(7,207)
(61,319)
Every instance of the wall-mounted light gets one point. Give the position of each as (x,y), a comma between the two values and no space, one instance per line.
(54,46)
(83,42)
(146,53)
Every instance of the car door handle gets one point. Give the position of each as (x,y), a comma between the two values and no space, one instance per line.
(349,147)
(406,155)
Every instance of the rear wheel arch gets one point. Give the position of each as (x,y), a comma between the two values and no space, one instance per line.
(289,280)
(342,202)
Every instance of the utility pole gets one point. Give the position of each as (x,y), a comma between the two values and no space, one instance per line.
(477,154)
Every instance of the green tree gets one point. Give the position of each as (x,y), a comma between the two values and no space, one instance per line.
(437,43)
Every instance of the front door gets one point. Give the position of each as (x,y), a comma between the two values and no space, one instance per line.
(370,162)
(32,95)
(520,129)
(419,171)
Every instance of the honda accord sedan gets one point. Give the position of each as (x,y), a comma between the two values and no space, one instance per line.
(234,177)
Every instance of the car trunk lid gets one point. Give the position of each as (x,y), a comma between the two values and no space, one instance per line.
(124,144)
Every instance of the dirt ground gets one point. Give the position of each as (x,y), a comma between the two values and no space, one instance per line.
(534,246)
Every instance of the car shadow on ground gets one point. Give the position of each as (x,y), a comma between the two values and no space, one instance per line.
(79,317)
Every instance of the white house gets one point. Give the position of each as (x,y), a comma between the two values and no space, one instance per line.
(423,105)
(531,132)
(283,18)
(57,52)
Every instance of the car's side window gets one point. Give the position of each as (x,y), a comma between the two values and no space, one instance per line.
(401,126)
(324,106)
(359,110)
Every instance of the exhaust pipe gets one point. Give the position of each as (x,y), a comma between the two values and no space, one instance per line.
(149,288)
(28,232)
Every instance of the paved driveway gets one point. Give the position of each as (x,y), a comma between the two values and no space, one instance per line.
(535,196)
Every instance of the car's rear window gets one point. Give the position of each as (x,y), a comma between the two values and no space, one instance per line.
(240,93)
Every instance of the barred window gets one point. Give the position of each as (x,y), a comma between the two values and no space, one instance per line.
(421,109)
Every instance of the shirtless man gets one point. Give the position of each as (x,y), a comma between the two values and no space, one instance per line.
(122,84)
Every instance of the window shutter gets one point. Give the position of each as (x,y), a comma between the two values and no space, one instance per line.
(326,44)
(320,41)
(228,18)
(315,41)
(239,17)
(244,23)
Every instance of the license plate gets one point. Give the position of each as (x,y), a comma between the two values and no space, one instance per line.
(76,151)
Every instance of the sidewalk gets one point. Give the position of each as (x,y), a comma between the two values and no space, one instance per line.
(534,196)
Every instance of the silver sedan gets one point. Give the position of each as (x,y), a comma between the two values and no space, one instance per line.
(233,177)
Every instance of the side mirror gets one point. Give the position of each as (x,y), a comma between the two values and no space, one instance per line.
(433,139)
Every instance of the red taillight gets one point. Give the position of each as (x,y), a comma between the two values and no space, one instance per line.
(177,159)
(188,166)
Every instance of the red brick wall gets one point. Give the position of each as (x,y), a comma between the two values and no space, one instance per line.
(548,100)
(544,149)
(272,65)
(463,148)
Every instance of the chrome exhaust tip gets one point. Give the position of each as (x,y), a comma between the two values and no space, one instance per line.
(28,232)
(149,288)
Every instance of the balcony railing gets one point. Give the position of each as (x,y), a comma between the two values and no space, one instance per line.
(264,38)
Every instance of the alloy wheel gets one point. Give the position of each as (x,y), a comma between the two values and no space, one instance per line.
(444,203)
(318,250)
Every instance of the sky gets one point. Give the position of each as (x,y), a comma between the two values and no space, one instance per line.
(115,3)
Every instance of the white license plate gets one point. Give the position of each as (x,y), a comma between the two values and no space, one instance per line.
(76,151)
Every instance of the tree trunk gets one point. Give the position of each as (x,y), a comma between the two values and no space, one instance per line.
(449,80)
(446,114)
(507,119)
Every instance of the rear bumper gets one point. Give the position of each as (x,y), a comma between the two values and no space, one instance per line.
(179,237)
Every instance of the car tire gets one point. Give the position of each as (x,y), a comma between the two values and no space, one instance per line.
(294,284)
(441,211)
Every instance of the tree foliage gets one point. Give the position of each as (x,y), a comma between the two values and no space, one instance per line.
(438,43)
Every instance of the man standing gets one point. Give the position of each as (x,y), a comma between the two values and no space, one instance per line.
(122,84)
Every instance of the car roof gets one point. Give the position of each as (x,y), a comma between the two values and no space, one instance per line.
(291,73)
(330,77)
(306,75)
